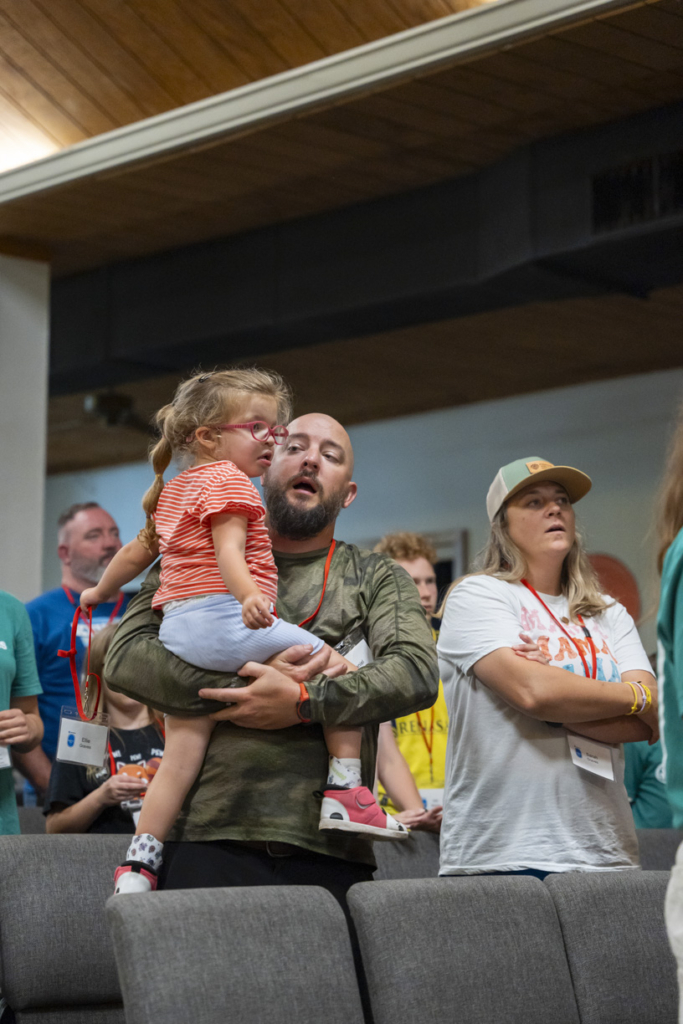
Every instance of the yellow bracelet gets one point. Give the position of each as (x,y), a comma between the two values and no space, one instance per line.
(648,699)
(636,696)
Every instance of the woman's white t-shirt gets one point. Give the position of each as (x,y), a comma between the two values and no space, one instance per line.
(513,797)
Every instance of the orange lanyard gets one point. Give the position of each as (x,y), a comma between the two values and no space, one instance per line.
(594,653)
(326,574)
(429,743)
(71,655)
(115,611)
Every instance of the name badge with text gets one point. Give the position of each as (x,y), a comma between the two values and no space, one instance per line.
(431,798)
(82,742)
(355,647)
(592,756)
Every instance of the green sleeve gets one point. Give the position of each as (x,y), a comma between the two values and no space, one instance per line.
(139,665)
(26,682)
(644,785)
(403,678)
(676,675)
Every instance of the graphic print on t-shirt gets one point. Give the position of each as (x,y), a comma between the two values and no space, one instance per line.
(562,652)
(136,767)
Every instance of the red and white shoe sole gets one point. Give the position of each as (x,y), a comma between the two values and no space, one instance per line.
(377,832)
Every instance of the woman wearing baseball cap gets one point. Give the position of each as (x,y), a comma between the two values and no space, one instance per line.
(534,773)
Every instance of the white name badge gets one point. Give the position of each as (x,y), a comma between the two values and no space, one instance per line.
(5,758)
(82,742)
(591,756)
(431,798)
(360,655)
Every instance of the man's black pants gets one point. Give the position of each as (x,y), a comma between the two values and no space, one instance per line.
(222,863)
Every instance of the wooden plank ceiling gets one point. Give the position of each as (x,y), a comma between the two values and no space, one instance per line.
(408,135)
(415,369)
(72,69)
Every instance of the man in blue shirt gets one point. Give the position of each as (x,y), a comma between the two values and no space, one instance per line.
(88,539)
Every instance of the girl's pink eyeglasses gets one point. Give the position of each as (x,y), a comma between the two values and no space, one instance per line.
(260,431)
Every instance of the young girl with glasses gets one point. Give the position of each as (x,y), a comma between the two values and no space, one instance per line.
(218,585)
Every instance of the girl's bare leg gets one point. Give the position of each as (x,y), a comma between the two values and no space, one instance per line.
(184,752)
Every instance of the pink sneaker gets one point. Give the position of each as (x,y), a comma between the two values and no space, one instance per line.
(133,878)
(356,810)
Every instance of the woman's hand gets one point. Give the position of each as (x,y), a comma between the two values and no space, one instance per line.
(531,650)
(651,716)
(256,611)
(15,727)
(420,820)
(121,787)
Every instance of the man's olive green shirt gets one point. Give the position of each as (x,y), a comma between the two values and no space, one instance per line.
(260,784)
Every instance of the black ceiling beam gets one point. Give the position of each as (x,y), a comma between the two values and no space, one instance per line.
(520,231)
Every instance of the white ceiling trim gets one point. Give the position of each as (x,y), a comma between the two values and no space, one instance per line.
(405,55)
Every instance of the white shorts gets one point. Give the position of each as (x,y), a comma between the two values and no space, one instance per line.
(210,634)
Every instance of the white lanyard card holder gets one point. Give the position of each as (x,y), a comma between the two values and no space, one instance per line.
(80,742)
(355,647)
(592,756)
(5,758)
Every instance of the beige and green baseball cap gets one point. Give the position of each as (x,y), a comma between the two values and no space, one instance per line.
(517,475)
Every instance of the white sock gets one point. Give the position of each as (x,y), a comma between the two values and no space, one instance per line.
(344,772)
(147,850)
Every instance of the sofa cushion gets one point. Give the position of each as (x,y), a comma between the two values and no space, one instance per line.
(31,821)
(74,1015)
(415,857)
(276,955)
(658,847)
(477,950)
(54,945)
(621,965)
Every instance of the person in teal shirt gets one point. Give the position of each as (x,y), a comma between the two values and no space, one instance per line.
(670,668)
(20,724)
(645,785)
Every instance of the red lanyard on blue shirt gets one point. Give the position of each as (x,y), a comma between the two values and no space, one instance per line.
(84,706)
(594,653)
(114,613)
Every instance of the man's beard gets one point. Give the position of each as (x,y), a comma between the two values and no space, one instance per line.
(88,569)
(295,522)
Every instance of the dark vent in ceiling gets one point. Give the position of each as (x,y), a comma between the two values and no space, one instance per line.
(638,192)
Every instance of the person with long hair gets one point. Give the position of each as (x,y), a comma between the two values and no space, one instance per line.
(108,799)
(534,771)
(670,671)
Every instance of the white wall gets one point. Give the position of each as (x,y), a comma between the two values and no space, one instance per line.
(432,471)
(24,316)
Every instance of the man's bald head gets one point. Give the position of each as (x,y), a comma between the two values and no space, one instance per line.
(319,424)
(309,480)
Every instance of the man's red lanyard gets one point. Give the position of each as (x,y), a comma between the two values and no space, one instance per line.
(325,575)
(115,612)
(303,691)
(594,653)
(83,707)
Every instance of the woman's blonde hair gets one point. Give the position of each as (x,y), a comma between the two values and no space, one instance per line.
(205,400)
(502,558)
(670,502)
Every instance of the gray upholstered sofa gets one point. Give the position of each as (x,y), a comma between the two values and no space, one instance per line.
(588,949)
